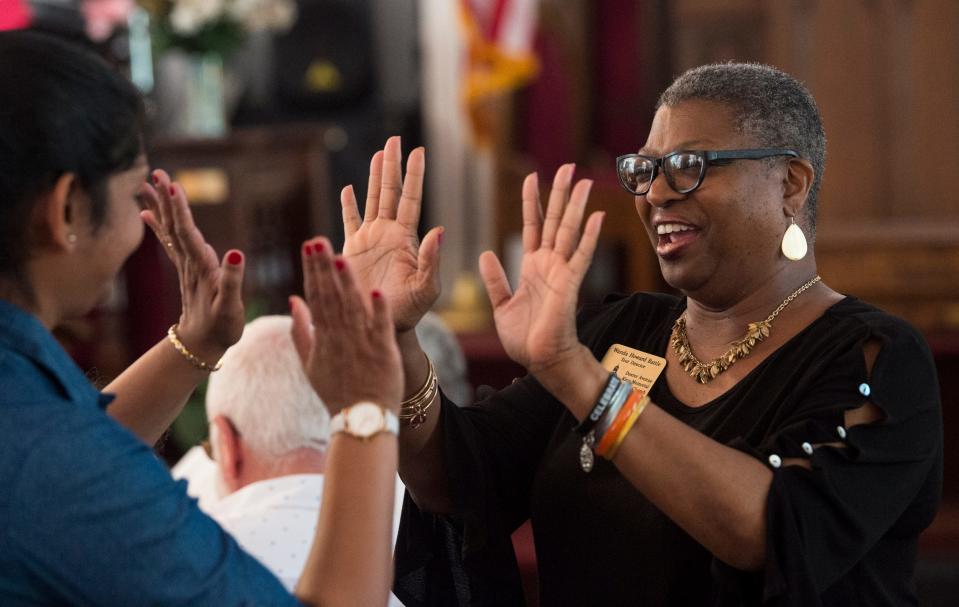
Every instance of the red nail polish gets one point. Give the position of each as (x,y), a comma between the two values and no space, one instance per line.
(308,249)
(339,263)
(319,247)
(290,302)
(440,237)
(172,190)
(234,258)
(377,294)
(156,180)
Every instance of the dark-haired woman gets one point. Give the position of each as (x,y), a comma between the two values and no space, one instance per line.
(89,515)
(789,451)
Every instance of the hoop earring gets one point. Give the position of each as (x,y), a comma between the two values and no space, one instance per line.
(794,245)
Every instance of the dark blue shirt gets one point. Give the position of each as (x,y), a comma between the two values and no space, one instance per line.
(88,515)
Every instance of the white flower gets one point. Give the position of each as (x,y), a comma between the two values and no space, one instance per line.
(190,16)
(254,15)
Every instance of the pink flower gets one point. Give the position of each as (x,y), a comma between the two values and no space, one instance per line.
(14,14)
(103,16)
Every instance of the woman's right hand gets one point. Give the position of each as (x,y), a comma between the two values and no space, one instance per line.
(382,247)
(345,338)
(211,316)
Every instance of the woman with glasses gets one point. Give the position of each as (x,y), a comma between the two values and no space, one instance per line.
(89,514)
(764,440)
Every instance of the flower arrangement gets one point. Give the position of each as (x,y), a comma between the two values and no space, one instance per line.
(215,26)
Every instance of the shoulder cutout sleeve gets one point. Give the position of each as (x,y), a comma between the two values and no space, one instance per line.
(868,490)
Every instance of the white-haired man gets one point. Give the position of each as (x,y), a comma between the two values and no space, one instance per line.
(268,434)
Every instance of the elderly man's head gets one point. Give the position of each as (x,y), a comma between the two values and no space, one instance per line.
(769,106)
(265,418)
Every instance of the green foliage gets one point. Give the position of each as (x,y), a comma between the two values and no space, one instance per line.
(190,427)
(222,37)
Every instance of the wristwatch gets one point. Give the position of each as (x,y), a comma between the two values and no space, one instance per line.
(365,420)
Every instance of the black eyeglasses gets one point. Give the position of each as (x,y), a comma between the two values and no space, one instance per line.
(684,170)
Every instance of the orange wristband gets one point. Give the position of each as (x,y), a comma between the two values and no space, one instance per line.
(637,411)
(612,433)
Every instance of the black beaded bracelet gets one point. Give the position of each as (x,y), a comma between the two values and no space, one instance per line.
(596,413)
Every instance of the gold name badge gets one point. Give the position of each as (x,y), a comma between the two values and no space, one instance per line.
(638,367)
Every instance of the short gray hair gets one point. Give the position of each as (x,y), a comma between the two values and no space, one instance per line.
(443,349)
(769,105)
(263,390)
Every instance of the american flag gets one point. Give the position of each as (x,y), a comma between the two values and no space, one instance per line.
(499,37)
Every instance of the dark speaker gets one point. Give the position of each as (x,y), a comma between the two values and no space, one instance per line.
(326,60)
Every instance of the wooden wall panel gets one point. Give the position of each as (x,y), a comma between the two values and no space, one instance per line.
(934,121)
(885,76)
(846,67)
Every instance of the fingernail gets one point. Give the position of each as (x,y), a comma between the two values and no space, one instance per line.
(156,180)
(289,300)
(234,258)
(440,237)
(308,249)
(172,190)
(339,263)
(319,247)
(376,294)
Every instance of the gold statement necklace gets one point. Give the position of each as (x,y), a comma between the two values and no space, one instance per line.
(705,372)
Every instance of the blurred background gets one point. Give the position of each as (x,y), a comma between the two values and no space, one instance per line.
(265,109)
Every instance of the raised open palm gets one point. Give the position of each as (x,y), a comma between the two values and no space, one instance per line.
(537,322)
(212,313)
(382,246)
(340,333)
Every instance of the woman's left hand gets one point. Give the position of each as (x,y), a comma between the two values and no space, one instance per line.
(537,323)
(212,316)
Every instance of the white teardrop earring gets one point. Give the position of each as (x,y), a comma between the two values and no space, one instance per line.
(72,238)
(794,245)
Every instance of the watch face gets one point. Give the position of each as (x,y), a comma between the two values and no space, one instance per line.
(365,419)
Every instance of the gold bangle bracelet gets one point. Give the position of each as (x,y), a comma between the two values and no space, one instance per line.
(196,362)
(413,410)
(426,387)
(415,415)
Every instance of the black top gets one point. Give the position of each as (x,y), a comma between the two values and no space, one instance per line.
(841,533)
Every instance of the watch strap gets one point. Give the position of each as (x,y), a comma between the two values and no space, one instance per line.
(391,422)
